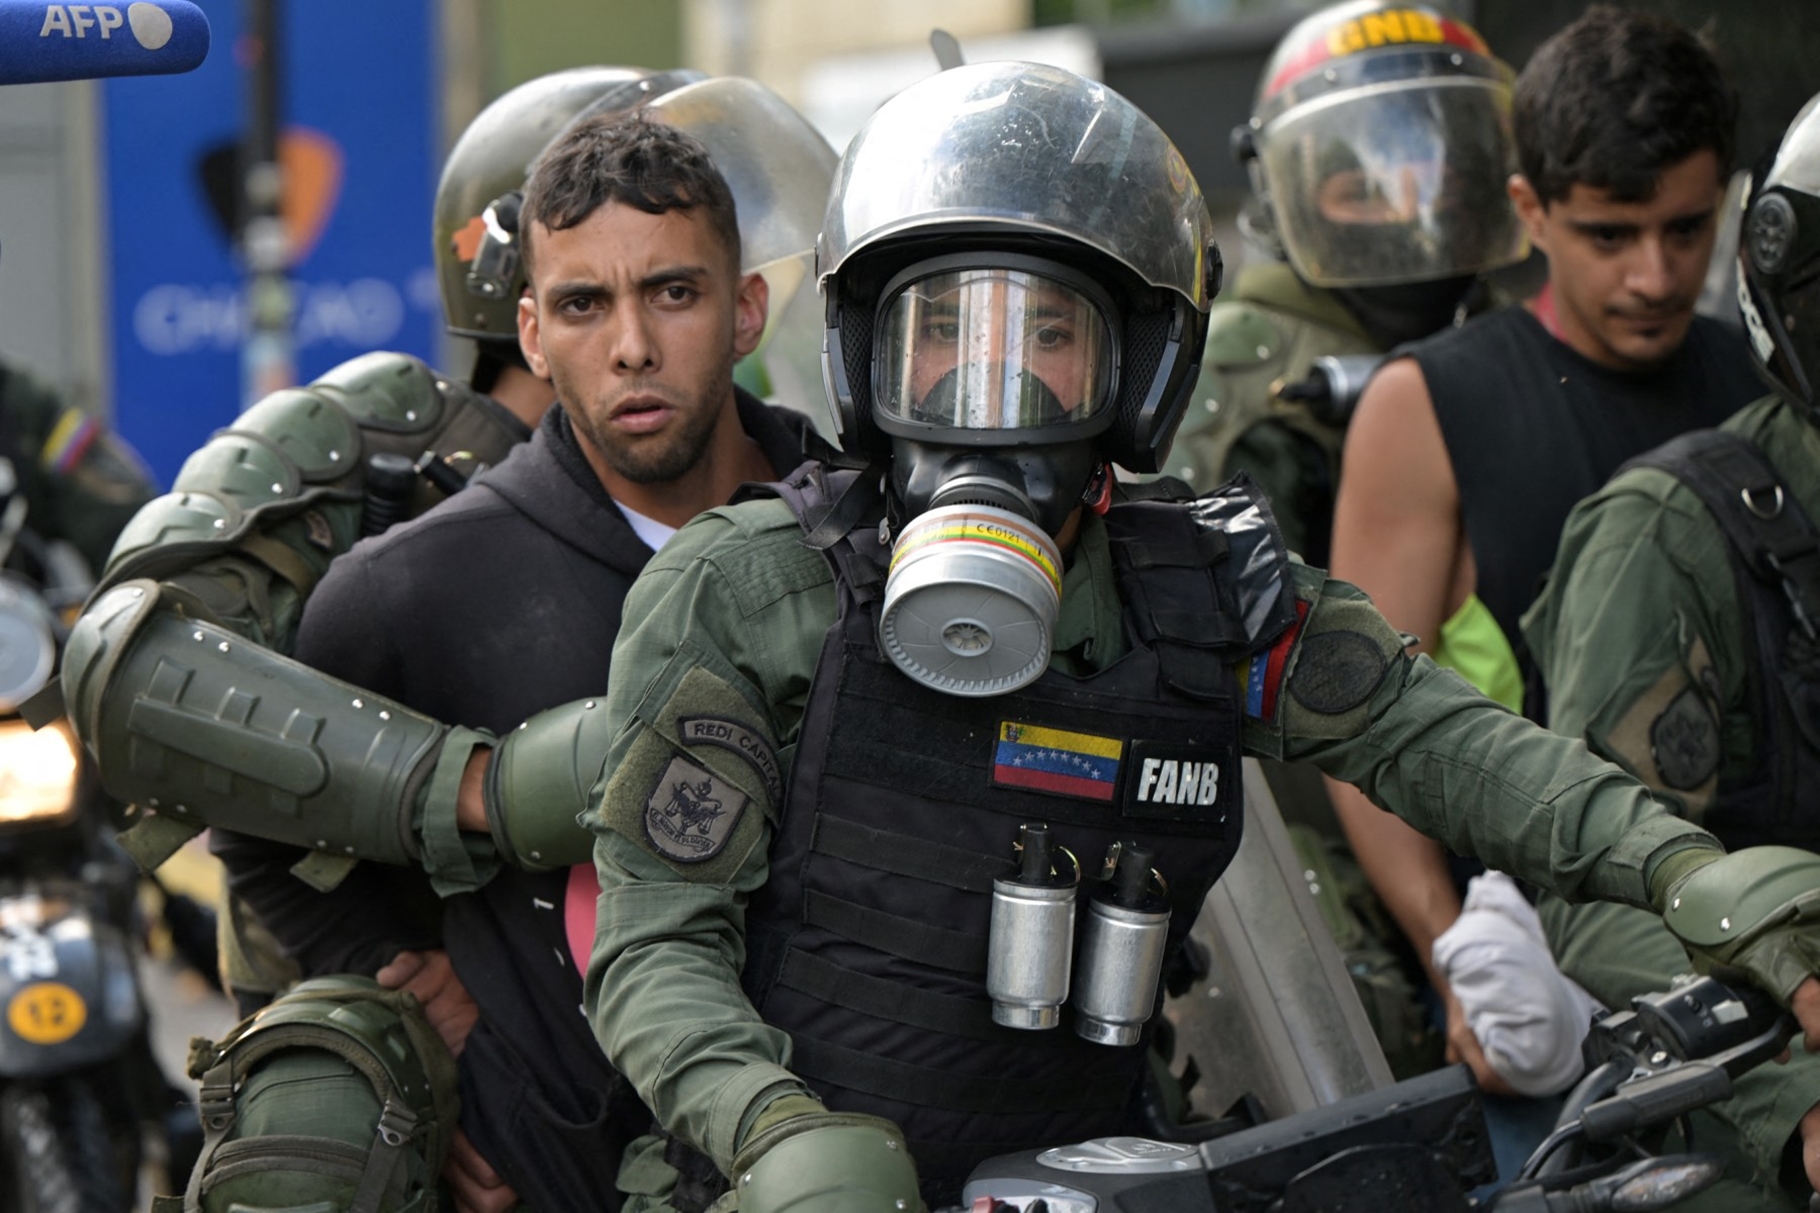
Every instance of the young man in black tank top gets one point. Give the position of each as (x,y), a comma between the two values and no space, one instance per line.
(1467,453)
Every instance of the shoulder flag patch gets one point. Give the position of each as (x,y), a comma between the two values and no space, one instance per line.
(1264,676)
(1056,761)
(69,441)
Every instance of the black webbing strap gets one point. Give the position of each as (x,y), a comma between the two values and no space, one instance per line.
(1761,519)
(828,982)
(902,855)
(936,947)
(1010,1093)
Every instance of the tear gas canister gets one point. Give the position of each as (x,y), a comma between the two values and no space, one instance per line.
(1030,952)
(1122,950)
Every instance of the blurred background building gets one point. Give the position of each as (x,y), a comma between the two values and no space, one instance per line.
(120,278)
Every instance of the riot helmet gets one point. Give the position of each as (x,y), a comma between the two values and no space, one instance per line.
(1380,146)
(1016,265)
(1779,279)
(991,195)
(777,167)
(478,272)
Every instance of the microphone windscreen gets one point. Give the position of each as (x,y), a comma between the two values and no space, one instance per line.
(40,42)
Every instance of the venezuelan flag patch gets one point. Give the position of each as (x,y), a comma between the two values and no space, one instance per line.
(1056,761)
(1264,677)
(69,441)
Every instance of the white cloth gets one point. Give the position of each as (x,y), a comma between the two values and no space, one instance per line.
(654,533)
(1529,1016)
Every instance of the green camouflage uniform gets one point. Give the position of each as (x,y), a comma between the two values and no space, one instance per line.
(1264,332)
(728,620)
(1641,608)
(81,483)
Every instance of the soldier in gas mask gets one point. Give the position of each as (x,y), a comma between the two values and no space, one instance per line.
(888,675)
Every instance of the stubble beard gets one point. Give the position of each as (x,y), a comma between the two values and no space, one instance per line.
(661,458)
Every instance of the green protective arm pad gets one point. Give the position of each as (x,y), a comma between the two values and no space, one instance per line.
(802,1158)
(195,724)
(304,449)
(538,783)
(1754,912)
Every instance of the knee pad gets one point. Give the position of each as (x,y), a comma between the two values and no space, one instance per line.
(337,1098)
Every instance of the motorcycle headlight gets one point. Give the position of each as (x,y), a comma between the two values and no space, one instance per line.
(38,773)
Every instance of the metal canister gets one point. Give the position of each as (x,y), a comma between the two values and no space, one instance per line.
(1030,954)
(1122,951)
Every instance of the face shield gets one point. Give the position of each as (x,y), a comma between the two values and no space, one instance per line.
(1394,182)
(988,350)
(777,167)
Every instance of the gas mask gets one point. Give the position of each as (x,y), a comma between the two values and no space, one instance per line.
(992,382)
(1016,266)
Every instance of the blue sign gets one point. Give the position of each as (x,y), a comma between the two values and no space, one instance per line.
(360,159)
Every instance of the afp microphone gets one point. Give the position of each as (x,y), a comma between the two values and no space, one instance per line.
(40,42)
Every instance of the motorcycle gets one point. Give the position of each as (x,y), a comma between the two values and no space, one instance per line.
(1421,1146)
(78,1082)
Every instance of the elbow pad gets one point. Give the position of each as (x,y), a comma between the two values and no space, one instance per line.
(538,783)
(1755,912)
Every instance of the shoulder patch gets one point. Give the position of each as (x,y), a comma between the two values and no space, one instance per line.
(1684,741)
(1264,675)
(690,813)
(741,739)
(1337,671)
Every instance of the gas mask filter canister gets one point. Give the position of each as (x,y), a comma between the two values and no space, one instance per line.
(971,600)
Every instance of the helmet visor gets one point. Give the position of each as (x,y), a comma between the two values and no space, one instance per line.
(777,167)
(1400,182)
(993,349)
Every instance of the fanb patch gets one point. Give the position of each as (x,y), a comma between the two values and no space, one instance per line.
(691,812)
(1176,783)
(1056,761)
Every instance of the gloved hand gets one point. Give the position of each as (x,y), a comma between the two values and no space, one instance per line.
(798,1157)
(1754,913)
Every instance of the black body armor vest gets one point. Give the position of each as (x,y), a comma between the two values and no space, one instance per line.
(1775,559)
(868,944)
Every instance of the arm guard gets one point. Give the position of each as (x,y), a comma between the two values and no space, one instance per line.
(207,729)
(1755,912)
(538,782)
(231,554)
